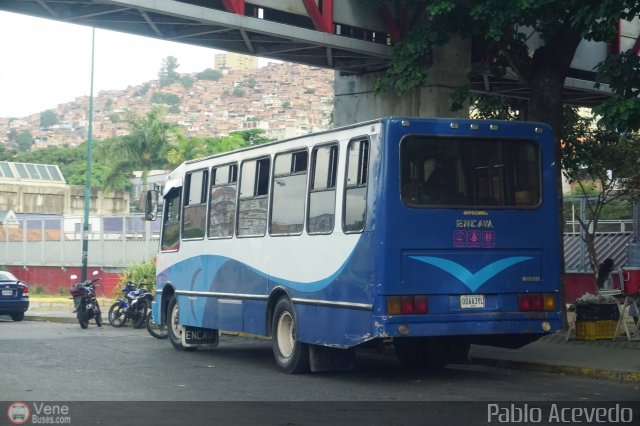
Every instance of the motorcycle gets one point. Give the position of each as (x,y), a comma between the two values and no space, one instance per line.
(156,329)
(133,306)
(85,301)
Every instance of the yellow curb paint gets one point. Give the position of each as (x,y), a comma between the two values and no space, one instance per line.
(596,373)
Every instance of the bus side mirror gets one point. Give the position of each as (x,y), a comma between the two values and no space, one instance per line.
(151,205)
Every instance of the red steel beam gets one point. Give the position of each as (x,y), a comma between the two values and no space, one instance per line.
(234,6)
(396,27)
(390,23)
(322,20)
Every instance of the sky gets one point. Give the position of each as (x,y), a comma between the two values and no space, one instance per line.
(44,63)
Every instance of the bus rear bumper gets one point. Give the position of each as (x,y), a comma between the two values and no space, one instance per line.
(493,324)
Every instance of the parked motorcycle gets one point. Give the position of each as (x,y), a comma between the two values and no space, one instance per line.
(133,306)
(85,301)
(157,330)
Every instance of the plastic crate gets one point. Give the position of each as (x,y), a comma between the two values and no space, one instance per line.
(596,330)
(597,312)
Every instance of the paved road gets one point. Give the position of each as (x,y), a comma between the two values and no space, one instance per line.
(52,361)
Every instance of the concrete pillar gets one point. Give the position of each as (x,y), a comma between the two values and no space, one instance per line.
(355,100)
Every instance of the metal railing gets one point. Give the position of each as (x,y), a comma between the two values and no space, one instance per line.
(119,241)
(114,241)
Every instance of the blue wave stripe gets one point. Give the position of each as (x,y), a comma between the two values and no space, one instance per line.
(469,279)
(215,263)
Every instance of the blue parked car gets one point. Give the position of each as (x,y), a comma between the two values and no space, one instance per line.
(14,296)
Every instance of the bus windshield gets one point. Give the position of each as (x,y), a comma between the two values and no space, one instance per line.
(469,173)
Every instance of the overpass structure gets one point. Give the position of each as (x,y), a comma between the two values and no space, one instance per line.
(353,37)
(288,30)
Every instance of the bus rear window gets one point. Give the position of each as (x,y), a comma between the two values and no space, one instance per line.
(469,173)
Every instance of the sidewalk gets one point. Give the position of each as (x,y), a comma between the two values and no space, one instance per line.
(602,359)
(59,309)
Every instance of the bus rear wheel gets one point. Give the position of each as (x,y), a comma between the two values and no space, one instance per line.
(175,327)
(292,356)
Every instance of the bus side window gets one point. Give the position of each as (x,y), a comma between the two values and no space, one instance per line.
(253,199)
(322,190)
(195,204)
(289,189)
(222,211)
(171,221)
(355,199)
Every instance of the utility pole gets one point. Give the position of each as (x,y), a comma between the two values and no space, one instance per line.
(87,185)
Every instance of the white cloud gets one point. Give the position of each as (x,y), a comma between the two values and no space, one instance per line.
(44,63)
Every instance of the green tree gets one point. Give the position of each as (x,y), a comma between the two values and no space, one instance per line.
(228,143)
(252,136)
(48,118)
(115,118)
(209,74)
(143,90)
(108,104)
(186,148)
(238,92)
(168,74)
(24,141)
(249,83)
(189,148)
(12,135)
(502,30)
(165,98)
(186,81)
(144,148)
(603,164)
(6,153)
(73,164)
(142,272)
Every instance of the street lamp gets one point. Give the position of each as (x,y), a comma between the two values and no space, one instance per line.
(87,185)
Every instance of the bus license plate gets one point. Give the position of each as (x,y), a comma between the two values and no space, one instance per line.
(472,301)
(199,336)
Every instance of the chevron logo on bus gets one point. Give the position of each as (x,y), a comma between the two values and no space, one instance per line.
(469,279)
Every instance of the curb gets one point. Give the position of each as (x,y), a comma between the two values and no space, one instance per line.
(594,373)
(64,320)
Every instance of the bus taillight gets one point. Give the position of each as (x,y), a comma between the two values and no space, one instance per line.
(528,302)
(549,302)
(407,305)
(421,304)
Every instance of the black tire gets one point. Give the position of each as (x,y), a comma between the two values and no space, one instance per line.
(418,353)
(159,331)
(82,318)
(174,327)
(140,315)
(292,356)
(116,317)
(18,316)
(98,317)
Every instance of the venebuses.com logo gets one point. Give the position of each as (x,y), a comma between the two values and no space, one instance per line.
(20,413)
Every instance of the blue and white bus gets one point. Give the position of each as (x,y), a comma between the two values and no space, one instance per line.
(432,234)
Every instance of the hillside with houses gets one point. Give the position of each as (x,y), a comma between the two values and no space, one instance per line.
(283,99)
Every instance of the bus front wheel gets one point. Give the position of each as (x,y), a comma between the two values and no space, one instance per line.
(174,326)
(291,355)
